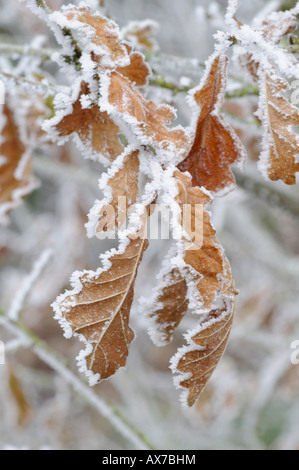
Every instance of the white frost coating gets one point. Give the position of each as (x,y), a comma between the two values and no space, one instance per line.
(268,141)
(27,184)
(227,305)
(87,35)
(167,149)
(131,30)
(196,109)
(232,8)
(94,214)
(254,42)
(61,306)
(22,294)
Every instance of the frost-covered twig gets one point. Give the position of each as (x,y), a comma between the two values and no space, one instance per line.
(248,89)
(11,79)
(268,192)
(19,49)
(21,296)
(59,365)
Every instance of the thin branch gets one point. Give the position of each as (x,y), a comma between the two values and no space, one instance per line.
(60,365)
(266,191)
(44,53)
(22,294)
(247,89)
(17,80)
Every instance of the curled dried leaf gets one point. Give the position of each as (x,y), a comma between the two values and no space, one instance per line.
(123,189)
(100,35)
(171,305)
(279,160)
(205,255)
(16,180)
(98,310)
(148,121)
(94,128)
(216,146)
(195,363)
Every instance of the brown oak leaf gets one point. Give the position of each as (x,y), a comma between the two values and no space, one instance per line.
(98,312)
(204,258)
(205,255)
(195,363)
(123,189)
(146,118)
(94,128)
(281,144)
(102,35)
(216,146)
(16,180)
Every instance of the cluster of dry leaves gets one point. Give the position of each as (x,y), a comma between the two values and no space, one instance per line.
(113,121)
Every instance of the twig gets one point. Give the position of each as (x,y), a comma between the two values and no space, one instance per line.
(59,365)
(44,53)
(248,89)
(22,294)
(15,79)
(269,193)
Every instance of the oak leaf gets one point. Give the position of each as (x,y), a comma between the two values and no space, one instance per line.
(100,35)
(147,120)
(171,305)
(204,255)
(196,362)
(208,272)
(16,180)
(94,128)
(137,71)
(99,307)
(216,146)
(280,156)
(122,191)
(141,34)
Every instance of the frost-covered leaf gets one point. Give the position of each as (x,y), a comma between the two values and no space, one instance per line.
(120,187)
(96,130)
(280,23)
(216,146)
(95,34)
(141,34)
(203,283)
(137,71)
(205,255)
(168,307)
(206,344)
(16,180)
(202,263)
(147,120)
(280,156)
(98,309)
